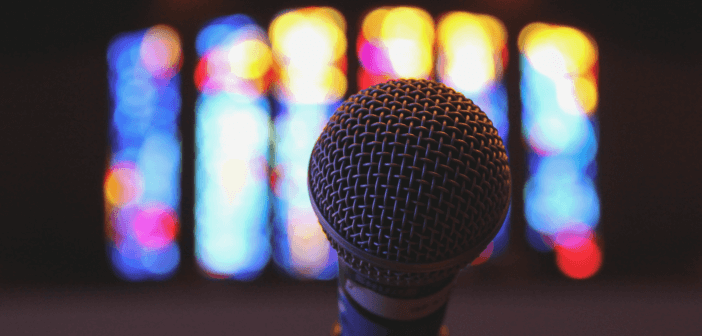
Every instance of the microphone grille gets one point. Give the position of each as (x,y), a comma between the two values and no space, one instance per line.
(412,172)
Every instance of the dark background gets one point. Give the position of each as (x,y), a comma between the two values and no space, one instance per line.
(53,148)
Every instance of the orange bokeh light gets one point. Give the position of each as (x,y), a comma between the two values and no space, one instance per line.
(123,184)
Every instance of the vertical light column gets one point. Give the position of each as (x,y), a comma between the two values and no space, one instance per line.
(559,94)
(395,42)
(142,183)
(232,236)
(472,55)
(309,48)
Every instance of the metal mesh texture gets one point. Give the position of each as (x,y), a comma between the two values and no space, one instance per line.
(410,171)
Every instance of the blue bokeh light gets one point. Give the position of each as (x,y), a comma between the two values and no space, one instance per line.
(221,31)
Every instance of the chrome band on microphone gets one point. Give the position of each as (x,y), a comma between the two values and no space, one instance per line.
(388,310)
(393,302)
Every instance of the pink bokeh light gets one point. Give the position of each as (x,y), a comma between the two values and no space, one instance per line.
(155,226)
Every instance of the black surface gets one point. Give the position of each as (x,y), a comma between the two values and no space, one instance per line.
(307,309)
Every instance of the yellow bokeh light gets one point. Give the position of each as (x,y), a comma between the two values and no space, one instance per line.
(577,47)
(458,28)
(567,56)
(373,22)
(548,60)
(250,59)
(409,58)
(308,37)
(557,50)
(160,50)
(332,15)
(327,83)
(471,47)
(496,30)
(586,93)
(408,36)
(530,32)
(306,44)
(408,23)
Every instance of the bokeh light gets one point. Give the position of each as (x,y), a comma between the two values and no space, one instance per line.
(566,56)
(560,193)
(232,238)
(578,254)
(142,181)
(485,255)
(395,42)
(301,248)
(472,50)
(123,184)
(309,48)
(160,51)
(155,226)
(235,57)
(560,96)
(250,59)
(472,55)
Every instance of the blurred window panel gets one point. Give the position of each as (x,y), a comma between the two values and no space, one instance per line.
(233,73)
(471,58)
(559,93)
(309,52)
(142,182)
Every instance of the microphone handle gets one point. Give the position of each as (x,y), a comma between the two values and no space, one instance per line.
(371,309)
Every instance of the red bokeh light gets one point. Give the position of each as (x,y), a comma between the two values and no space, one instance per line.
(578,258)
(201,76)
(485,255)
(366,79)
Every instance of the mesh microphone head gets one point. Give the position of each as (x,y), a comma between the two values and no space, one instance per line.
(410,182)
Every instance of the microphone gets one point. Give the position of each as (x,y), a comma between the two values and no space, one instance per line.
(410,182)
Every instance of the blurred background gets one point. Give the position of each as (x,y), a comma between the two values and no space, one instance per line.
(154,157)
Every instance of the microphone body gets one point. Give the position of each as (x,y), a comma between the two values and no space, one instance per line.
(366,308)
(410,182)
